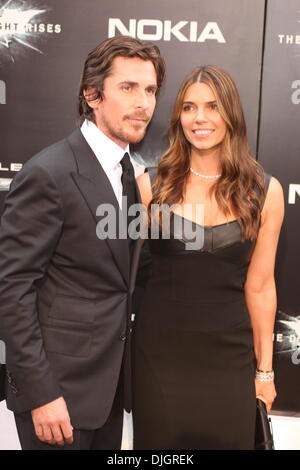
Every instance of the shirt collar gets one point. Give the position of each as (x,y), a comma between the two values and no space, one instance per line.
(107,152)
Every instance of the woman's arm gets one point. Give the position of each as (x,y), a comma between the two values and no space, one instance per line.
(260,289)
(145,262)
(144,184)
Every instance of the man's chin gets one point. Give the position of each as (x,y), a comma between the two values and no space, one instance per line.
(135,138)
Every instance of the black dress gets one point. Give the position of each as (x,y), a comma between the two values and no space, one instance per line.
(194,361)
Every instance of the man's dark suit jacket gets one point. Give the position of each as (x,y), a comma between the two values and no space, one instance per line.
(65,295)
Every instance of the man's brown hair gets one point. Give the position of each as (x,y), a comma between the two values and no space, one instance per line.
(98,66)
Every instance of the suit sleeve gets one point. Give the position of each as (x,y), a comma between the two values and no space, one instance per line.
(30,229)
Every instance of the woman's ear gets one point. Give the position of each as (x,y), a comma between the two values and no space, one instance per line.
(92,97)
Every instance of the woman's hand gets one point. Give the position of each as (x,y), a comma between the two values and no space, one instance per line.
(266,392)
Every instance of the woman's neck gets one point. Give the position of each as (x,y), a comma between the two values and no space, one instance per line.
(206,162)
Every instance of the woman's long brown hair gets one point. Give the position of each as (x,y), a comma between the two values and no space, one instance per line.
(241,186)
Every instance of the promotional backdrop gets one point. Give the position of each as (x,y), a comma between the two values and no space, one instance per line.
(41,69)
(44,43)
(279,153)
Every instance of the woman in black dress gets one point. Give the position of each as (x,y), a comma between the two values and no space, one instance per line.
(206,320)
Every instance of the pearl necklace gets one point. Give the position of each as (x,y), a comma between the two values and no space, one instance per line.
(204,176)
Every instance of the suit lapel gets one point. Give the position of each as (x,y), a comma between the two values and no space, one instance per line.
(96,189)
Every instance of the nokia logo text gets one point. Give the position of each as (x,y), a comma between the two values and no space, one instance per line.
(157,30)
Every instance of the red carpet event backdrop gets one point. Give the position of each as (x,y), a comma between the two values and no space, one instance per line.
(43,44)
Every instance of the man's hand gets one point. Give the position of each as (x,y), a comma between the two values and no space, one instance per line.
(52,423)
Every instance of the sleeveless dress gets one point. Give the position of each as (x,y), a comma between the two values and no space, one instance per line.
(194,362)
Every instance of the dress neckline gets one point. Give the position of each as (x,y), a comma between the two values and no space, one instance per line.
(206,226)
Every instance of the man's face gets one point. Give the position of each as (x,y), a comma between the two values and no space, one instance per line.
(128,100)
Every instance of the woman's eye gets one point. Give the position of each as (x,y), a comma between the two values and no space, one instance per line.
(214,106)
(187,107)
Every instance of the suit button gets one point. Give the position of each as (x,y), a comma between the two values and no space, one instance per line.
(122,337)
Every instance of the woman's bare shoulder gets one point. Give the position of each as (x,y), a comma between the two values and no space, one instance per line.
(144,184)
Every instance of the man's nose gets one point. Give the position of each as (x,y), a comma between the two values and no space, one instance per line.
(141,99)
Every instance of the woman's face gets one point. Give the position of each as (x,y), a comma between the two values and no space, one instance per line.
(201,121)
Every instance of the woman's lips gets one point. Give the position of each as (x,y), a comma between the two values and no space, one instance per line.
(203,132)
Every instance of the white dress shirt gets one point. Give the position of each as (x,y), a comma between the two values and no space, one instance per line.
(108,153)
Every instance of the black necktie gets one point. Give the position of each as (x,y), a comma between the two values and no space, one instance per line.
(128,183)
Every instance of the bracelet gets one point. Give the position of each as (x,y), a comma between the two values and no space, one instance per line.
(264,376)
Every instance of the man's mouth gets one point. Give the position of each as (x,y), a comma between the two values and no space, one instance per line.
(138,118)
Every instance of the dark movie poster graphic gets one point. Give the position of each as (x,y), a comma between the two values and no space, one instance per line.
(279,151)
(29,30)
(43,45)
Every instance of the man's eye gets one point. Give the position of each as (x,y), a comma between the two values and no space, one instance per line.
(151,91)
(126,87)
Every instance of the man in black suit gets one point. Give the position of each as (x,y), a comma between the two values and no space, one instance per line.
(65,292)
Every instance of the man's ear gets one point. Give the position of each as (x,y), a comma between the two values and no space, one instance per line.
(92,97)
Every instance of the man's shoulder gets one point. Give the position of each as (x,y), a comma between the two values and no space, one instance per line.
(56,157)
